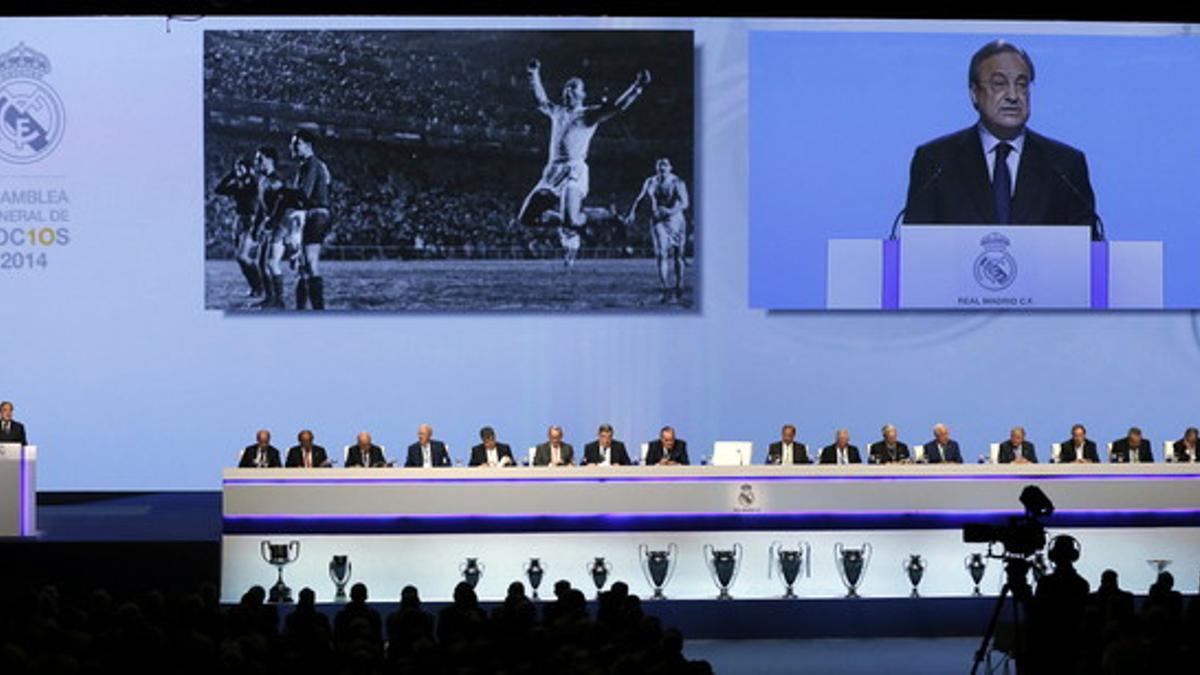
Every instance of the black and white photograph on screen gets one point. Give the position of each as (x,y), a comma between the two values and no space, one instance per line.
(449,170)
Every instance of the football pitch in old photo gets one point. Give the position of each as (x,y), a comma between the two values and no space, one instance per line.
(469,285)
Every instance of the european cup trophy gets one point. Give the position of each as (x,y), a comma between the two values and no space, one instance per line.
(1160,565)
(280,555)
(915,569)
(852,565)
(534,572)
(976,566)
(723,565)
(339,573)
(658,566)
(790,563)
(599,569)
(472,571)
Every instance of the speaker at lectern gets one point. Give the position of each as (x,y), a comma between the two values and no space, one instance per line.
(18,491)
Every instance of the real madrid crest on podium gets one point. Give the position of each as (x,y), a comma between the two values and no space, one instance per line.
(32,118)
(995,268)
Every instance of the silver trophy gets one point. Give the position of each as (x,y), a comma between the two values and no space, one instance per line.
(599,569)
(852,565)
(723,565)
(1160,565)
(975,566)
(915,569)
(472,571)
(280,555)
(790,563)
(659,566)
(339,573)
(535,571)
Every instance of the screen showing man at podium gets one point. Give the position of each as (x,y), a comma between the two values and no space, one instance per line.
(998,170)
(1008,212)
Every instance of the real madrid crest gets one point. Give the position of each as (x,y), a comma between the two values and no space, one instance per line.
(995,268)
(32,118)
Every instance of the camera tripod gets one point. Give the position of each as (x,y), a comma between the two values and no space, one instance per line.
(1016,571)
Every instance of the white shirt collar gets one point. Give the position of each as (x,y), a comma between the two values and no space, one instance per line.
(990,142)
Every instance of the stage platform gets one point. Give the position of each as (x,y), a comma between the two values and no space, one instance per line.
(714,530)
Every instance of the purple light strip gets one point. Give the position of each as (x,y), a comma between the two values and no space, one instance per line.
(1099,275)
(719,514)
(702,479)
(891,274)
(22,510)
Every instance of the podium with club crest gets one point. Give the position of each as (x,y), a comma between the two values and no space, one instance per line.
(994,267)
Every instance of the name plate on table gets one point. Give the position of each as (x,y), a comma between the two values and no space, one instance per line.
(995,267)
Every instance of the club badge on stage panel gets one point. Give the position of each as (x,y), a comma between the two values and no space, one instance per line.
(32,118)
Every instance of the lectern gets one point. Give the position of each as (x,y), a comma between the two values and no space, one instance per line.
(994,267)
(18,492)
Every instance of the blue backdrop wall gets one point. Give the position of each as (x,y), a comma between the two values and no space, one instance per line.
(127,383)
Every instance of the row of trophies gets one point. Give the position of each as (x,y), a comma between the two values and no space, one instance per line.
(658,566)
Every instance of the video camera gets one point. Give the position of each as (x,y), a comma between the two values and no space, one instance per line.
(1022,535)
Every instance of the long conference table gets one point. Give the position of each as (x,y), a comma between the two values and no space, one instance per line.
(422,526)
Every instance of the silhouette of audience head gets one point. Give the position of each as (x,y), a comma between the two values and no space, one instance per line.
(358,593)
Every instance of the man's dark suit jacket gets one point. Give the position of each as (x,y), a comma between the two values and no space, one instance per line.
(591,453)
(437,455)
(1066,451)
(1121,449)
(934,456)
(295,457)
(880,453)
(354,456)
(1007,455)
(249,457)
(479,454)
(799,453)
(542,454)
(961,192)
(1181,451)
(678,453)
(16,433)
(829,454)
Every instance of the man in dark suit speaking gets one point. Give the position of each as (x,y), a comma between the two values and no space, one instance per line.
(998,170)
(11,431)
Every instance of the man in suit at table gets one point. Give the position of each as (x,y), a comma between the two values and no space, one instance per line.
(554,452)
(365,453)
(841,452)
(426,452)
(604,451)
(306,455)
(1133,448)
(1016,450)
(889,449)
(941,449)
(261,455)
(11,431)
(786,450)
(998,170)
(666,450)
(1078,448)
(489,452)
(1187,449)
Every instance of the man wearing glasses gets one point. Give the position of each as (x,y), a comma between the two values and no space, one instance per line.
(998,170)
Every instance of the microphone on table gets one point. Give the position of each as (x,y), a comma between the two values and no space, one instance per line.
(1097,221)
(929,182)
